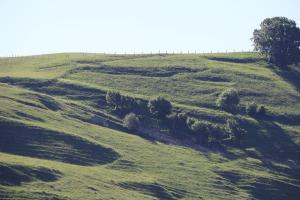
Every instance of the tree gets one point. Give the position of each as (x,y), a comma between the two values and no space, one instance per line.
(131,121)
(114,99)
(160,107)
(278,39)
(228,100)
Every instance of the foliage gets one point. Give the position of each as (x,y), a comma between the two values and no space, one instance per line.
(278,39)
(131,121)
(177,122)
(261,111)
(206,132)
(234,130)
(114,99)
(126,104)
(159,107)
(228,100)
(251,109)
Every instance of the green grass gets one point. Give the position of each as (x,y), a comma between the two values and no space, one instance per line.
(49,103)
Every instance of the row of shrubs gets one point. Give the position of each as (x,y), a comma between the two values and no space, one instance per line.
(229,101)
(158,108)
(178,123)
(205,132)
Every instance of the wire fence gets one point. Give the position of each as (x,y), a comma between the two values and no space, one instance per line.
(159,52)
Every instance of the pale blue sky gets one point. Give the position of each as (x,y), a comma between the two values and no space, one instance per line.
(49,26)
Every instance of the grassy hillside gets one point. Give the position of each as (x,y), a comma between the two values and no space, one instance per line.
(59,140)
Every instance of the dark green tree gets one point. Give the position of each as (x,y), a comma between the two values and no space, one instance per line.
(278,39)
(159,107)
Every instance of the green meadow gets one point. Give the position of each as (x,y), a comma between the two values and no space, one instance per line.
(59,139)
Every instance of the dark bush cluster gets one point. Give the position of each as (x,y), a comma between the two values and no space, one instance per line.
(177,122)
(255,111)
(159,111)
(229,101)
(160,107)
(125,104)
(205,132)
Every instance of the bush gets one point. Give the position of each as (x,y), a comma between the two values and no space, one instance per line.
(131,121)
(177,122)
(205,132)
(190,121)
(228,100)
(114,99)
(261,111)
(159,107)
(201,126)
(234,130)
(251,109)
(126,104)
(140,107)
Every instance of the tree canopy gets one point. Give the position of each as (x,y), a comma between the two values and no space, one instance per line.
(278,39)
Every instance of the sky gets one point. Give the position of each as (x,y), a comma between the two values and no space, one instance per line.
(134,26)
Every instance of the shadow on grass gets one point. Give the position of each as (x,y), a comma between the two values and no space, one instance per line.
(235,60)
(271,141)
(56,88)
(12,175)
(263,188)
(35,142)
(154,189)
(12,193)
(290,74)
(137,71)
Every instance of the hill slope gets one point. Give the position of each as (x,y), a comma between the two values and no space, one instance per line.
(58,139)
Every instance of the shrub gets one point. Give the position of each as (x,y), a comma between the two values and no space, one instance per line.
(251,109)
(113,99)
(131,121)
(177,122)
(228,100)
(261,111)
(234,130)
(201,126)
(190,121)
(141,107)
(205,132)
(159,107)
(127,104)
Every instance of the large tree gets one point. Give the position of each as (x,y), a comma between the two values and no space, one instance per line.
(278,39)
